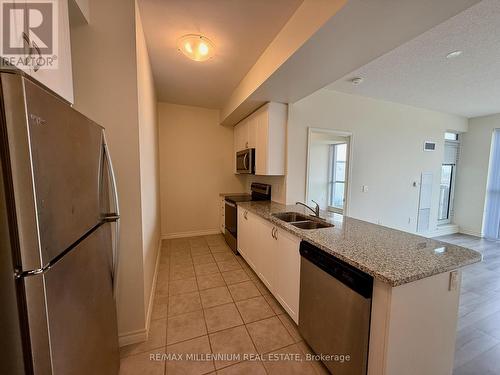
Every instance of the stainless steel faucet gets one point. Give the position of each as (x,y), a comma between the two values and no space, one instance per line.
(315,210)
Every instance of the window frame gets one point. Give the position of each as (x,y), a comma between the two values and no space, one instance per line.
(332,180)
(449,217)
(451,205)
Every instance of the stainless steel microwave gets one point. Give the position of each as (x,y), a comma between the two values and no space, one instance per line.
(245,161)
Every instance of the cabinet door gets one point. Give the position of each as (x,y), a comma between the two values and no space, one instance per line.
(266,253)
(241,136)
(261,141)
(16,23)
(244,238)
(288,273)
(59,80)
(270,139)
(252,131)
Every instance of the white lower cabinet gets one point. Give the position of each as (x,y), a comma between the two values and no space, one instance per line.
(288,273)
(274,255)
(244,235)
(266,255)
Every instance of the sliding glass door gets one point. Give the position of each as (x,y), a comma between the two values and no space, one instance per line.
(492,211)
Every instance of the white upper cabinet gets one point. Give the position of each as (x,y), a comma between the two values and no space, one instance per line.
(271,138)
(60,78)
(241,136)
(264,130)
(252,131)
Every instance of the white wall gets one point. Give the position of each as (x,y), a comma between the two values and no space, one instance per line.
(113,87)
(149,159)
(387,143)
(472,173)
(318,173)
(278,189)
(196,164)
(319,164)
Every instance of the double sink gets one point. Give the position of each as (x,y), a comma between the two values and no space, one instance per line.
(302,221)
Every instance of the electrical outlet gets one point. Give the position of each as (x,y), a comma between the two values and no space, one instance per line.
(454,276)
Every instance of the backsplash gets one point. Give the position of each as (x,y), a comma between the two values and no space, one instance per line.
(278,188)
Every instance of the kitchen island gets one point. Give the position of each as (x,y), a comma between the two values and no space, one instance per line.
(416,285)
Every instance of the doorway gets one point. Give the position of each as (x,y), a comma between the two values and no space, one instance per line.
(328,156)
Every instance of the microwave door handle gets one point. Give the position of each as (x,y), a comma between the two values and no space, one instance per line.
(113,216)
(245,161)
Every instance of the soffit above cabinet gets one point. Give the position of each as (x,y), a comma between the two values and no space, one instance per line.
(355,34)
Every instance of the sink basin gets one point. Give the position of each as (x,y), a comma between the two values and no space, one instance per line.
(291,216)
(309,224)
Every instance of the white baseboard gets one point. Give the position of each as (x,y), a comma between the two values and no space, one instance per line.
(190,234)
(470,232)
(133,337)
(153,288)
(142,335)
(443,230)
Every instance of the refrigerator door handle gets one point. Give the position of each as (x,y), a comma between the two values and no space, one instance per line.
(113,216)
(19,273)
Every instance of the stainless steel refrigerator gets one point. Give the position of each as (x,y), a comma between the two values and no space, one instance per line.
(58,236)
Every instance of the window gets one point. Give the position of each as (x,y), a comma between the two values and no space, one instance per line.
(448,172)
(337,181)
(451,136)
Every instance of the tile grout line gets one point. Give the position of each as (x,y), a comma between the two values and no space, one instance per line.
(226,284)
(204,317)
(244,324)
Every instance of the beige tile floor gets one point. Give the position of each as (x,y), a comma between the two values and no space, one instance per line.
(208,300)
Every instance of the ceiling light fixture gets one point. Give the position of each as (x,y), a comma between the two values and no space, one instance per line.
(453,54)
(196,47)
(356,81)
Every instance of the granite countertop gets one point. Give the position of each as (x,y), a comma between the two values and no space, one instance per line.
(389,255)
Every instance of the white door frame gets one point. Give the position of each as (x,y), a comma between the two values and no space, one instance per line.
(350,148)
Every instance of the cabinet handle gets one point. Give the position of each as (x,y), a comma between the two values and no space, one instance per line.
(274,233)
(245,215)
(36,67)
(246,145)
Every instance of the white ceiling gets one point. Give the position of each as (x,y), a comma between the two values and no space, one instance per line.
(418,73)
(240,29)
(359,33)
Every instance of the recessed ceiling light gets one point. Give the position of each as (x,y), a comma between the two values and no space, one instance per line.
(453,54)
(356,81)
(196,47)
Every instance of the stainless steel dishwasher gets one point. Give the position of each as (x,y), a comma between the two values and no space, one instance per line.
(334,310)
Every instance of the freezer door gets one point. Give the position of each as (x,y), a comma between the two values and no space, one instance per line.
(67,152)
(81,309)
